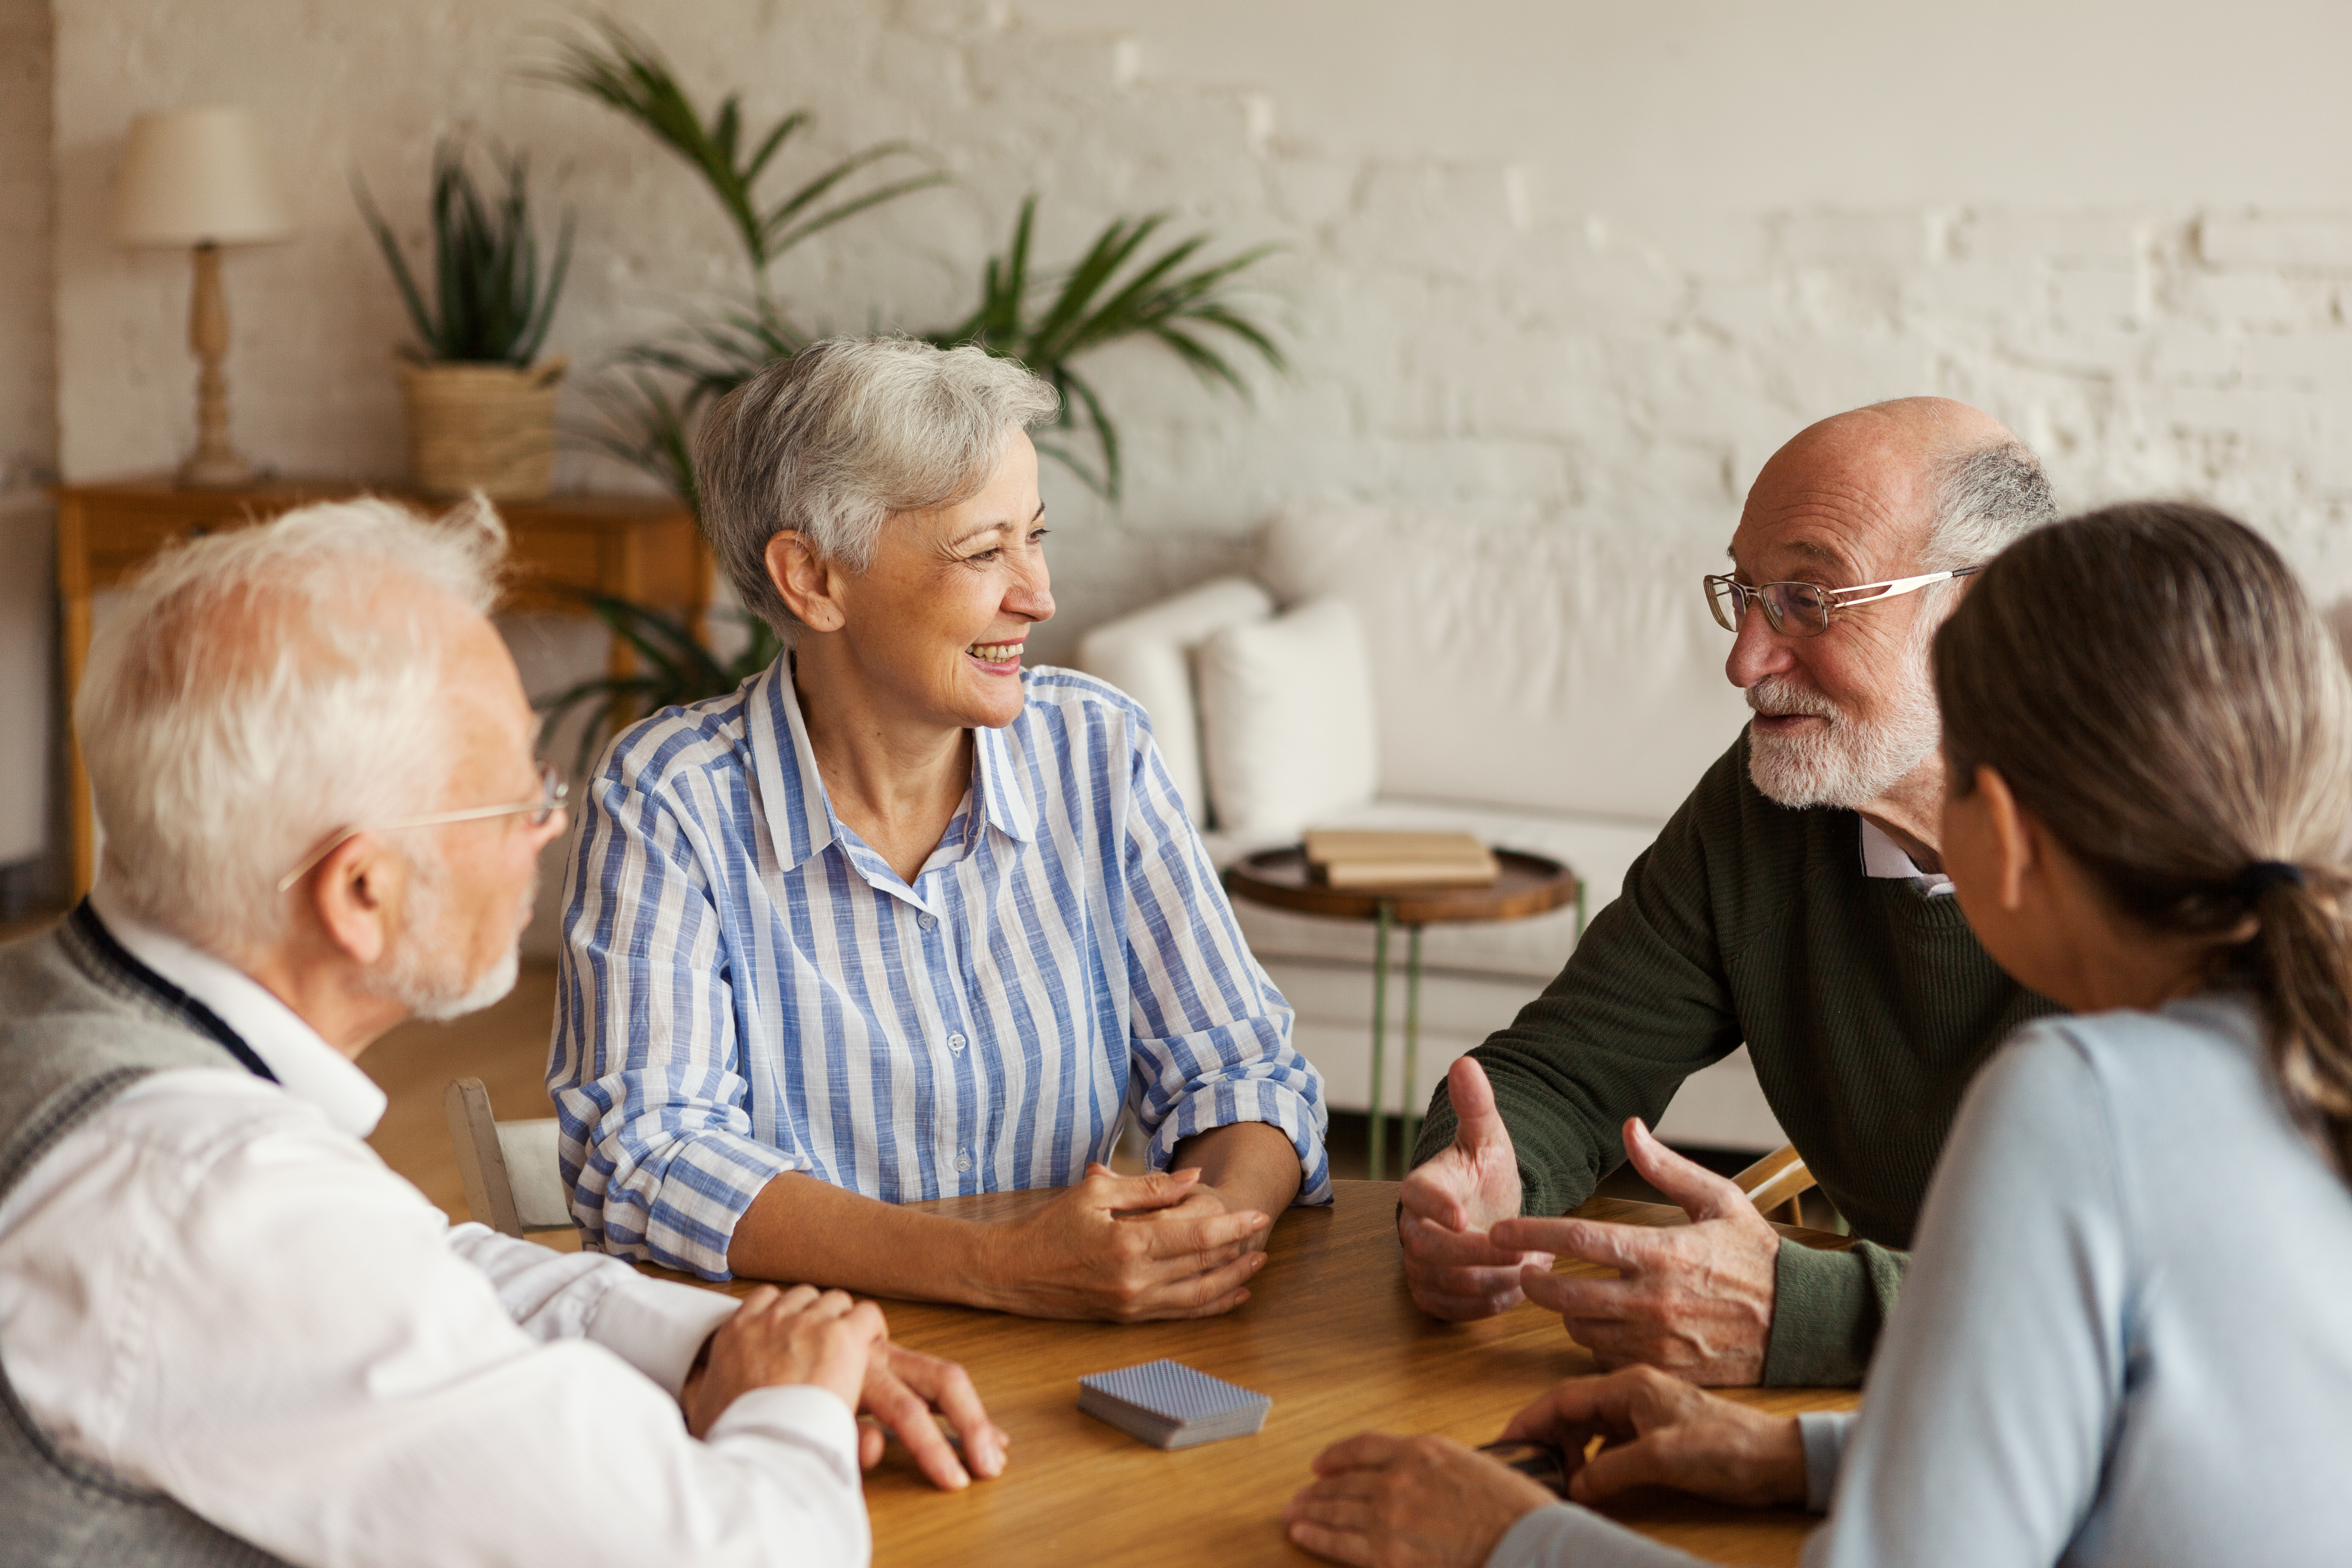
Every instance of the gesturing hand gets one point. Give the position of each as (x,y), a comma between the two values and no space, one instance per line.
(779,1337)
(1452,1266)
(1695,1299)
(903,1387)
(1659,1431)
(1129,1249)
(1408,1502)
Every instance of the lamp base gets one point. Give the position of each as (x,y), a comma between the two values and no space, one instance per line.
(216,470)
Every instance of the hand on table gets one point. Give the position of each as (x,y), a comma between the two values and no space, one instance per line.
(1454,1267)
(1408,1502)
(780,1337)
(1128,1249)
(1695,1300)
(903,1389)
(1660,1431)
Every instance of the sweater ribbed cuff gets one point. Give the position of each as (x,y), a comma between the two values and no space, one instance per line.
(1826,1313)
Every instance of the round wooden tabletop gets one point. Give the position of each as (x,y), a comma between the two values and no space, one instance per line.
(1528,885)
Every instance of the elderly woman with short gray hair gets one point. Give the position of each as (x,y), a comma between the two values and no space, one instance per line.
(902,919)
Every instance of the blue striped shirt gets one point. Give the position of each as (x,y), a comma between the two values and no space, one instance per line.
(747,988)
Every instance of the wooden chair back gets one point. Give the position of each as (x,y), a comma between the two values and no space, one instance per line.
(513,1182)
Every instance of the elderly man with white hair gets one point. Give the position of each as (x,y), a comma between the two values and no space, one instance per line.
(905,918)
(227,1333)
(1796,902)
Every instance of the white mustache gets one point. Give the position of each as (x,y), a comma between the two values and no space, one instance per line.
(1777,697)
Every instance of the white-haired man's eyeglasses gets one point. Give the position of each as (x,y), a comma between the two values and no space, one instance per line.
(1806,609)
(552,788)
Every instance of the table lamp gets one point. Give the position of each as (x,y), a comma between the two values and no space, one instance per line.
(198,178)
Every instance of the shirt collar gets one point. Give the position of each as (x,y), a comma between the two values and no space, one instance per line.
(1004,786)
(1883,857)
(793,794)
(307,1066)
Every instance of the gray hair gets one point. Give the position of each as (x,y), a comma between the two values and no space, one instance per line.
(829,442)
(255,690)
(1987,498)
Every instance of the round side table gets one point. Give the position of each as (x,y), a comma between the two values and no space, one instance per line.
(1528,885)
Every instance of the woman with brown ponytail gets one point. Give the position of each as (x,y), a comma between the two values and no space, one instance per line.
(2127,1334)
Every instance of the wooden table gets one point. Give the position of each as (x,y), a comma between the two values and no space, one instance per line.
(1524,886)
(643,548)
(1330,1333)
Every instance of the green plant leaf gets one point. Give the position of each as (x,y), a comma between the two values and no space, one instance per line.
(1118,289)
(675,669)
(489,302)
(623,70)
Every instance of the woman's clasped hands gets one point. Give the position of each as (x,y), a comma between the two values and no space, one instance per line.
(1127,1249)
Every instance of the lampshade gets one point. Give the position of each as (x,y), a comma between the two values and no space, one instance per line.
(194,178)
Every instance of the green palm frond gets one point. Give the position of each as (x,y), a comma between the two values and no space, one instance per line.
(643,425)
(623,69)
(673,668)
(1117,289)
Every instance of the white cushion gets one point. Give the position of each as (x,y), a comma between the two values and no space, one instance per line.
(1149,656)
(1287,719)
(1564,667)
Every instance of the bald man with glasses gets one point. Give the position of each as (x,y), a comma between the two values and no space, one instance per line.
(1795,903)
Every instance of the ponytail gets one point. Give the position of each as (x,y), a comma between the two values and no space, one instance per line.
(2301,963)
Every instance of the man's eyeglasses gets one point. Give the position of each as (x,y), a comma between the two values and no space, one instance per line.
(1806,609)
(538,813)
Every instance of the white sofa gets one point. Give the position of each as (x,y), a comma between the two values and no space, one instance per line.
(1546,688)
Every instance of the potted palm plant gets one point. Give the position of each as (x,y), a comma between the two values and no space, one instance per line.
(481,404)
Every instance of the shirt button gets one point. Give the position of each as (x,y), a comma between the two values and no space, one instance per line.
(956,1042)
(928,921)
(963,1160)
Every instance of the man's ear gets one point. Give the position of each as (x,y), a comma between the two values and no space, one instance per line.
(356,892)
(805,582)
(2017,839)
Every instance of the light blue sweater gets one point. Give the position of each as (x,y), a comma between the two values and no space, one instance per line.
(2127,1336)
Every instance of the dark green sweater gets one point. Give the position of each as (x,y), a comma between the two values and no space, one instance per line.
(1865,1004)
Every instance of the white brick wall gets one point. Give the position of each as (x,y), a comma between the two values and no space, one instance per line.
(1474,326)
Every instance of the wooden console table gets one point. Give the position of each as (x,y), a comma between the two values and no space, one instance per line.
(643,548)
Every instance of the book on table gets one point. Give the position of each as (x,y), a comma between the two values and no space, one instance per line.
(1363,858)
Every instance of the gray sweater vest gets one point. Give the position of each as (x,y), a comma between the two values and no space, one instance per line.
(81,1020)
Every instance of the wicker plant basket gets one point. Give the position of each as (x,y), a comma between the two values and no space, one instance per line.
(488,427)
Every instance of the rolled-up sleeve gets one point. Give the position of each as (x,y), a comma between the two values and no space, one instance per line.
(657,1144)
(1210,1034)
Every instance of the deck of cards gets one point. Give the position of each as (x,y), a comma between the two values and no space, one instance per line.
(1169,1406)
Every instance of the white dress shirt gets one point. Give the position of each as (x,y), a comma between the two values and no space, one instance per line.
(213,1288)
(1882,856)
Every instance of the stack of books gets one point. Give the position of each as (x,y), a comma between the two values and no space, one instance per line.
(1356,859)
(1170,1406)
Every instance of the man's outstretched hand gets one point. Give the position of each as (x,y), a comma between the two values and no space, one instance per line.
(1695,1300)
(1454,1269)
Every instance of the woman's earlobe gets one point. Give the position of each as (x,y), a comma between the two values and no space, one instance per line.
(802,582)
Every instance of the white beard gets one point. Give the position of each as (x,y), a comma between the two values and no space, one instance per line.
(1845,764)
(429,978)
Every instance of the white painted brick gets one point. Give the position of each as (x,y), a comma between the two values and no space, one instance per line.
(2256,299)
(1854,239)
(2104,240)
(2098,298)
(2185,351)
(2312,357)
(1311,193)
(2257,240)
